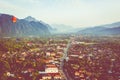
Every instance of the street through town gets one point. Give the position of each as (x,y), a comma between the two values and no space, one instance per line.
(63,58)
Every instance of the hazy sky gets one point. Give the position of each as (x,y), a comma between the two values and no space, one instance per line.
(77,13)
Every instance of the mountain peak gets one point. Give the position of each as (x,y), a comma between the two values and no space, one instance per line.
(30,18)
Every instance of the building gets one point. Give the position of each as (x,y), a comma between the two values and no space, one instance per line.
(51,68)
(46,77)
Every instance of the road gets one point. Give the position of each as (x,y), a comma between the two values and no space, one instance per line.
(64,57)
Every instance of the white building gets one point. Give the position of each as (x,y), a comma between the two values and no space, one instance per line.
(51,69)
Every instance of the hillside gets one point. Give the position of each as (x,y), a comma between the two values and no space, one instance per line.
(21,27)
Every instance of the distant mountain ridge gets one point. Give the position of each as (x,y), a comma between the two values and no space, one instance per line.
(113,25)
(62,28)
(108,29)
(22,27)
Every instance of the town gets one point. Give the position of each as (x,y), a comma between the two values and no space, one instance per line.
(60,58)
(93,58)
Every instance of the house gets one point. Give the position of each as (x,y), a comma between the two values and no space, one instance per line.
(77,73)
(51,68)
(81,75)
(47,53)
(57,77)
(52,54)
(58,47)
(24,54)
(46,77)
(49,60)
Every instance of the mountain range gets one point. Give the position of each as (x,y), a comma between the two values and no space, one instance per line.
(11,26)
(108,29)
(28,26)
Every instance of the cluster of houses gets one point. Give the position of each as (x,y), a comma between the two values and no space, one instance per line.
(95,59)
(53,62)
(41,61)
